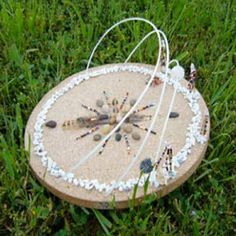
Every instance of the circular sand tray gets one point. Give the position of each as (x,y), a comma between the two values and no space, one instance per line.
(103,132)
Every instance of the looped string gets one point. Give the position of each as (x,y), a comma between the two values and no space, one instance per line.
(159,34)
(166,46)
(159,144)
(139,44)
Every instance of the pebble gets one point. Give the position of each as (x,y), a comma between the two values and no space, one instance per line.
(51,124)
(127,128)
(97,137)
(146,166)
(132,102)
(136,136)
(112,120)
(99,103)
(105,109)
(174,114)
(118,137)
(105,129)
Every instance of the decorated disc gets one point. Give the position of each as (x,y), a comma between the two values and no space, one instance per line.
(90,140)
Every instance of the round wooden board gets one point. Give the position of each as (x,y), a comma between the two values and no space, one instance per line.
(63,148)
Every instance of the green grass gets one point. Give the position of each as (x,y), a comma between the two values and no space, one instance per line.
(43,42)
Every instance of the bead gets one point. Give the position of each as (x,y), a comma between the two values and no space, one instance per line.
(114,102)
(51,124)
(97,137)
(146,165)
(127,128)
(99,103)
(136,136)
(174,114)
(118,137)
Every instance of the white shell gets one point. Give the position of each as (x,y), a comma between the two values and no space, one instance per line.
(177,73)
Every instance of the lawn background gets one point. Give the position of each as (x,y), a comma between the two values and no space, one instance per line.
(43,42)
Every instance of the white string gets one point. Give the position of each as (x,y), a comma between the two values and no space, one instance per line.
(95,149)
(116,24)
(138,45)
(165,125)
(167,117)
(156,113)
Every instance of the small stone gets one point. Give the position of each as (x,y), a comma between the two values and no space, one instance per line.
(127,128)
(174,114)
(112,120)
(99,103)
(51,124)
(118,137)
(132,102)
(97,137)
(136,136)
(146,166)
(105,129)
(105,109)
